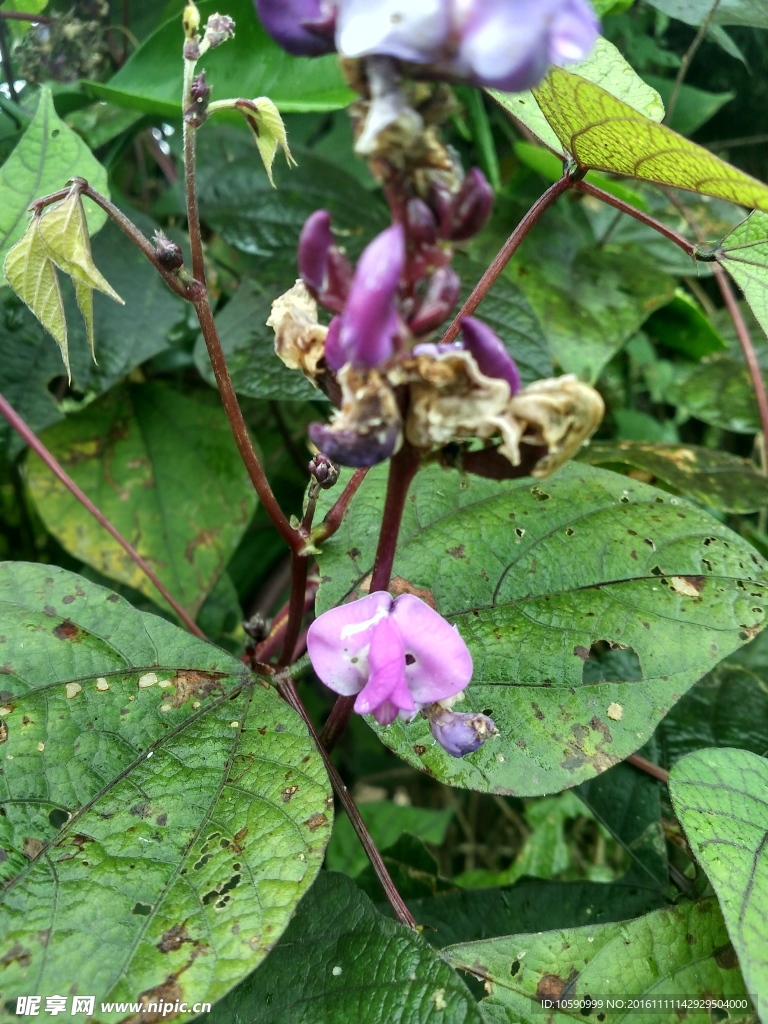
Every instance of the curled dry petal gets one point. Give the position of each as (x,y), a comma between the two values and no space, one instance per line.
(561,413)
(367,429)
(299,338)
(459,734)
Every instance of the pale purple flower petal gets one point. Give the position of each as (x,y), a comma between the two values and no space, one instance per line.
(489,352)
(386,693)
(335,356)
(369,322)
(315,241)
(413,30)
(338,642)
(459,734)
(302,27)
(439,664)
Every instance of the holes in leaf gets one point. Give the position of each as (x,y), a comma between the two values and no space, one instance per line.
(608,662)
(142,909)
(656,571)
(709,540)
(57,817)
(519,532)
(569,532)
(514,968)
(707,565)
(649,542)
(540,495)
(624,499)
(222,894)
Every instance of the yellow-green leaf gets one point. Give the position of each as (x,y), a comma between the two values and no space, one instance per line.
(268,129)
(64,232)
(744,254)
(606,67)
(32,275)
(606,134)
(84,296)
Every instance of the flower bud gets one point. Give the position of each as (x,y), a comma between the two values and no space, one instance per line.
(369,322)
(325,472)
(420,222)
(459,734)
(302,27)
(200,94)
(323,266)
(439,299)
(470,208)
(489,352)
(168,253)
(218,29)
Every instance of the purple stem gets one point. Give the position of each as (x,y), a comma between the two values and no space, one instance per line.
(37,446)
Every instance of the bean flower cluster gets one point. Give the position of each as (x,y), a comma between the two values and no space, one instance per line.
(378,359)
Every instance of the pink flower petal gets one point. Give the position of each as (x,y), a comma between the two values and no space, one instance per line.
(442,664)
(338,642)
(386,693)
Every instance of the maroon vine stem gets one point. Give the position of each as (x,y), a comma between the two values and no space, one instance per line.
(218,362)
(51,462)
(335,515)
(402,469)
(649,768)
(287,689)
(569,179)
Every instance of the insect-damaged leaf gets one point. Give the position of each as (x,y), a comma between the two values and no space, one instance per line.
(539,578)
(720,798)
(603,133)
(31,273)
(163,812)
(676,952)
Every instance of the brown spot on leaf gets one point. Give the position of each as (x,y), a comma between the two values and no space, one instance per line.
(537,711)
(725,957)
(237,844)
(67,630)
(169,992)
(354,554)
(202,539)
(419,750)
(32,848)
(399,586)
(193,683)
(458,552)
(16,955)
(113,598)
(316,821)
(3,732)
(174,938)
(688,586)
(581,652)
(288,793)
(49,610)
(550,986)
(68,599)
(162,819)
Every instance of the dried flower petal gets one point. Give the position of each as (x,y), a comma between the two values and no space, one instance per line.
(299,338)
(459,734)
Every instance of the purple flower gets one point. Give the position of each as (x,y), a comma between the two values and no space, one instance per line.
(470,208)
(396,655)
(302,27)
(489,352)
(324,268)
(439,299)
(369,323)
(416,30)
(459,734)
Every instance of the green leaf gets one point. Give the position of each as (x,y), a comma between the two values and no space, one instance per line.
(727,708)
(269,223)
(29,270)
(249,65)
(728,12)
(268,130)
(744,254)
(650,958)
(530,905)
(249,347)
(48,155)
(164,469)
(606,134)
(718,391)
(706,475)
(386,822)
(533,575)
(606,68)
(65,235)
(683,326)
(127,336)
(719,797)
(340,962)
(145,821)
(593,305)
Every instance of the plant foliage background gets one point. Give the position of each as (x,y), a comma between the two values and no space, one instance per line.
(167,828)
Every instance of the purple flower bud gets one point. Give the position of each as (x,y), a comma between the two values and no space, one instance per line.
(470,208)
(420,222)
(397,656)
(168,253)
(325,269)
(439,299)
(489,352)
(369,322)
(356,448)
(200,94)
(325,472)
(218,29)
(302,27)
(459,734)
